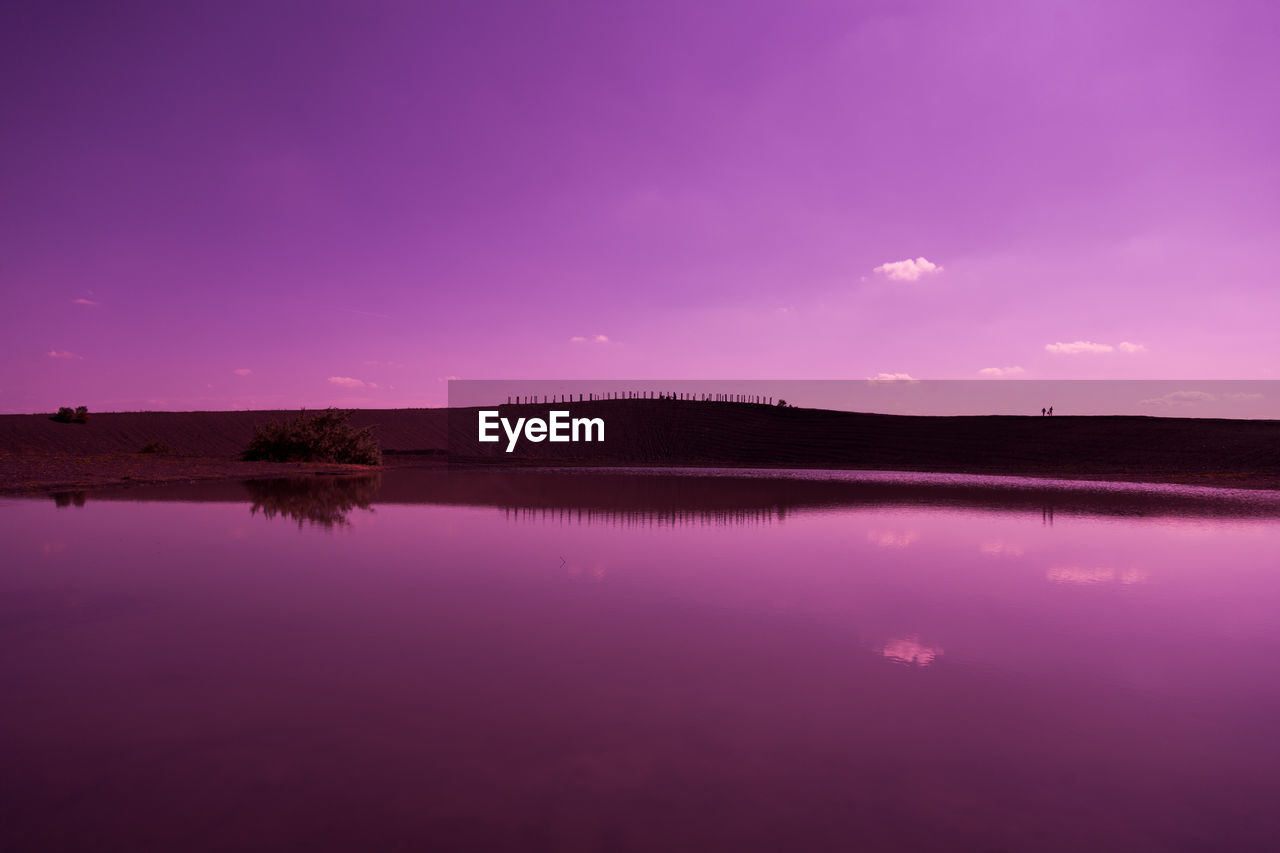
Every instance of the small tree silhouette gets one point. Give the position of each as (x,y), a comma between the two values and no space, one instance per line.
(315,437)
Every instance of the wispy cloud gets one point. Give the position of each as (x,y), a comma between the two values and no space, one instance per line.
(908,270)
(395,364)
(1000,371)
(62,353)
(1077,348)
(1092,348)
(891,377)
(1194,398)
(589,339)
(368,314)
(83,301)
(348,382)
(242,371)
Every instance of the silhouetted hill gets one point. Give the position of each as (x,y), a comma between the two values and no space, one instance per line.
(667,432)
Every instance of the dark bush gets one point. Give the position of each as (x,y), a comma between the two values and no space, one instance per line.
(315,437)
(157,447)
(67,415)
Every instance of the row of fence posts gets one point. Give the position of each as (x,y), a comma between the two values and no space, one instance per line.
(643,395)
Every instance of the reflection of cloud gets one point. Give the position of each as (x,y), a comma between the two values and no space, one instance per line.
(908,270)
(83,301)
(892,538)
(1089,577)
(1000,371)
(910,650)
(62,353)
(1001,548)
(242,371)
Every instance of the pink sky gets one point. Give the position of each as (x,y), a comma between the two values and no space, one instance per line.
(226,207)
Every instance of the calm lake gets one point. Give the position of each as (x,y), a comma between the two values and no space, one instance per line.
(643,661)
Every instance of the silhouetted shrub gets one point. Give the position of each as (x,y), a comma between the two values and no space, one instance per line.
(157,447)
(67,415)
(315,437)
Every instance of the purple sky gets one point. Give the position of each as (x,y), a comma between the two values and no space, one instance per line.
(230,205)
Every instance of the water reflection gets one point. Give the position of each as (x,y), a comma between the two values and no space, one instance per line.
(515,661)
(319,501)
(66,499)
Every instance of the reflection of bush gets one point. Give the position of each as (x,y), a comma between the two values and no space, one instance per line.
(64,499)
(322,501)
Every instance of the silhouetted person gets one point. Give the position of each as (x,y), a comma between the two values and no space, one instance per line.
(1051,410)
(1042,411)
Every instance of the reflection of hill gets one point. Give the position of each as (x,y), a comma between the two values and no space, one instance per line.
(731,497)
(671,498)
(320,501)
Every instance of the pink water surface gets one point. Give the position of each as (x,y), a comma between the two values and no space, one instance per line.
(495,667)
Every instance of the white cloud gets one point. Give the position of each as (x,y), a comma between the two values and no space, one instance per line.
(594,339)
(908,270)
(242,371)
(1126,346)
(1077,347)
(891,377)
(61,353)
(347,382)
(1000,371)
(1181,398)
(83,301)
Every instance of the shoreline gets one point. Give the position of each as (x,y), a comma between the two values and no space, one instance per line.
(45,474)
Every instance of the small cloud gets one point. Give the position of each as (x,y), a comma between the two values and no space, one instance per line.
(1181,398)
(594,339)
(84,302)
(242,371)
(1077,348)
(395,364)
(347,382)
(449,378)
(908,270)
(61,353)
(1126,346)
(1000,371)
(891,377)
